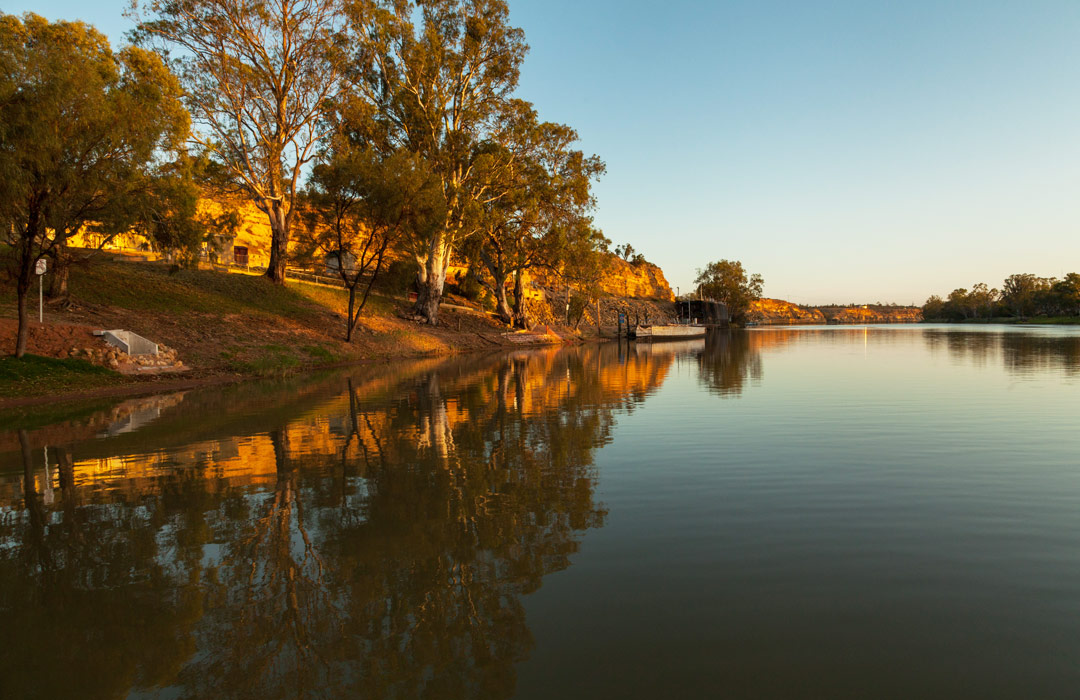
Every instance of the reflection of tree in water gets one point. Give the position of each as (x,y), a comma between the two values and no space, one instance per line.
(492,501)
(389,562)
(269,600)
(1020,353)
(1025,354)
(974,348)
(91,607)
(729,359)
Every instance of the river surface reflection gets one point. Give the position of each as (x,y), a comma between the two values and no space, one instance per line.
(885,512)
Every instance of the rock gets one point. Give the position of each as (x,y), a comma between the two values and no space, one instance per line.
(114,363)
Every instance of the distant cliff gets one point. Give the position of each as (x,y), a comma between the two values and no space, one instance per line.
(780,312)
(871,313)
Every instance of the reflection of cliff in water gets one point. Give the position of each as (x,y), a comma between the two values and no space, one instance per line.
(1021,353)
(369,534)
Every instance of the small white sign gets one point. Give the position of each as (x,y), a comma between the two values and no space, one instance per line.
(40,267)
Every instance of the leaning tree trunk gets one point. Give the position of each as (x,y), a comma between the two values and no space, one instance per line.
(495,263)
(431,281)
(502,304)
(351,318)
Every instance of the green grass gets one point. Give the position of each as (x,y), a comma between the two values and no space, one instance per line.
(270,364)
(320,353)
(33,375)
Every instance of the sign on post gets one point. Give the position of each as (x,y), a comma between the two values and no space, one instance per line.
(40,268)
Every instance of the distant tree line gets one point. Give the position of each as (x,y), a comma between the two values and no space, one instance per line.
(1021,296)
(355,127)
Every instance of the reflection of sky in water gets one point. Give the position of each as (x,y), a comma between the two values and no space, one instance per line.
(834,511)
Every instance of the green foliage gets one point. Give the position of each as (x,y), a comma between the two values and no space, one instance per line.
(726,281)
(934,308)
(321,353)
(269,364)
(1022,296)
(439,77)
(547,194)
(469,286)
(578,304)
(583,260)
(88,142)
(360,200)
(1066,294)
(399,278)
(627,253)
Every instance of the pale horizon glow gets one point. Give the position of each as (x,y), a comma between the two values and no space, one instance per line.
(847,151)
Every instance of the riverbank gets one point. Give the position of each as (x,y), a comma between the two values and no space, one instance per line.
(223,327)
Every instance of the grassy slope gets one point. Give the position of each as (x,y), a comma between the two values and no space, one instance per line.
(229,322)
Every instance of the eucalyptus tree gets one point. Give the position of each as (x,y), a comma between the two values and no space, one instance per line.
(258,76)
(544,192)
(440,75)
(1067,293)
(582,263)
(359,203)
(85,139)
(727,281)
(1020,293)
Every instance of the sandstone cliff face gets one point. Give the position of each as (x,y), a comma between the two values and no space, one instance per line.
(782,312)
(871,314)
(777,311)
(644,281)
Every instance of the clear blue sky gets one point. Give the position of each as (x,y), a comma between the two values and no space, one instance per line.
(846,150)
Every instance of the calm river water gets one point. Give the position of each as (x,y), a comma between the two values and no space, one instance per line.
(789,512)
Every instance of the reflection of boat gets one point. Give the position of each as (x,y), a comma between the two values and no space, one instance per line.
(668,332)
(672,346)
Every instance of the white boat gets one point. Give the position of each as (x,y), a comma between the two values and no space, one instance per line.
(668,332)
